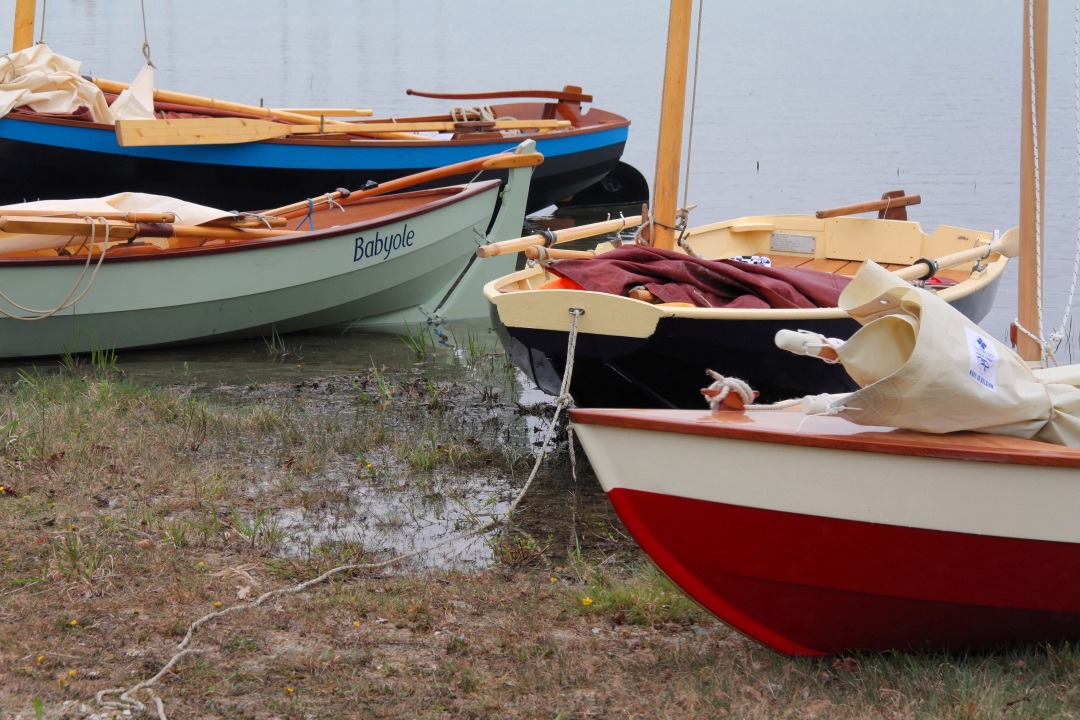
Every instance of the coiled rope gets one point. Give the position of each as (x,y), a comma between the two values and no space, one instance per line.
(68,301)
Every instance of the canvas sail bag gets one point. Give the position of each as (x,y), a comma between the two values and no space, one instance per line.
(923,366)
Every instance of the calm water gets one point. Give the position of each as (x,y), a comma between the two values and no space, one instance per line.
(799,105)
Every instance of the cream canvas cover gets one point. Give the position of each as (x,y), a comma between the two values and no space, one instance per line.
(923,366)
(50,83)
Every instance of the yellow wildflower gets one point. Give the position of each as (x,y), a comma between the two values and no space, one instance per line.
(289,690)
(356,623)
(73,622)
(586,601)
(71,673)
(41,658)
(217,604)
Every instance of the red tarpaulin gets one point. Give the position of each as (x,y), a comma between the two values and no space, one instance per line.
(676,277)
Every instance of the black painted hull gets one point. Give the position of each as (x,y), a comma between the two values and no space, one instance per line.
(44,171)
(667,369)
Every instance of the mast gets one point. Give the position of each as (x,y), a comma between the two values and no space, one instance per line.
(23,36)
(669,146)
(1036,13)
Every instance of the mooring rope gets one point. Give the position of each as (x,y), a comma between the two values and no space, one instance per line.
(125,697)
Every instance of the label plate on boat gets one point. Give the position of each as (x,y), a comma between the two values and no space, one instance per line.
(789,242)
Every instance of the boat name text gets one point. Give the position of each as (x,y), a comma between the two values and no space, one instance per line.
(382,245)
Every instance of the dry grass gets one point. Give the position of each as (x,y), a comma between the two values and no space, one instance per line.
(127,513)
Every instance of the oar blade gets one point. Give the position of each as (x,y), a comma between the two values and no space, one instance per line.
(197,131)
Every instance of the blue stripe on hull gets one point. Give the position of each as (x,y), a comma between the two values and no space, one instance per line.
(300,157)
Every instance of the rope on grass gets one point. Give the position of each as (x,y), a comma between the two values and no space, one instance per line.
(125,698)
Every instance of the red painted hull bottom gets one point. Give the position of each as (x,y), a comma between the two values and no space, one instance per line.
(809,585)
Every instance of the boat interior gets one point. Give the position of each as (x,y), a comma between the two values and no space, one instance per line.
(835,245)
(142,238)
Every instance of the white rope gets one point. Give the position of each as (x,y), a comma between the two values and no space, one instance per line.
(67,301)
(125,698)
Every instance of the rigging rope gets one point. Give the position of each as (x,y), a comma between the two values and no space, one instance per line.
(41,34)
(693,107)
(146,38)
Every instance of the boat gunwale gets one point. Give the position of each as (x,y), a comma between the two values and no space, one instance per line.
(756,426)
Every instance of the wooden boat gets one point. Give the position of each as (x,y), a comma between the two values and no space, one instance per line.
(814,535)
(633,353)
(636,353)
(281,155)
(74,278)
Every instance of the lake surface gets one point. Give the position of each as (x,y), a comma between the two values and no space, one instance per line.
(799,106)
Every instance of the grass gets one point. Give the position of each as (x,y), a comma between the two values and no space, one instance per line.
(129,512)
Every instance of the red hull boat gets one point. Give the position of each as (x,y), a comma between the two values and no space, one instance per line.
(940,548)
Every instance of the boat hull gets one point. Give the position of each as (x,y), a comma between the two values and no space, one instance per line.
(67,159)
(221,293)
(915,553)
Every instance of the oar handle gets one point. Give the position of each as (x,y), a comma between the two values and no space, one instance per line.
(872,206)
(1008,245)
(504,247)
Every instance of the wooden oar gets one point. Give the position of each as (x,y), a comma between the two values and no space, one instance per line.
(166,217)
(82,228)
(872,206)
(570,93)
(504,247)
(112,86)
(501,161)
(223,131)
(1008,245)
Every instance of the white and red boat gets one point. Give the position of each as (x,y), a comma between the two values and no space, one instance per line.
(815,535)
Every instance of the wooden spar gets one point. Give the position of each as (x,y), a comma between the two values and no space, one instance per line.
(155,217)
(570,93)
(502,161)
(669,148)
(112,86)
(504,247)
(223,131)
(327,112)
(81,227)
(23,35)
(1036,13)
